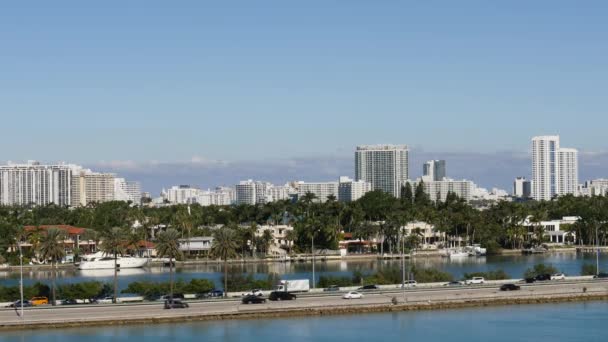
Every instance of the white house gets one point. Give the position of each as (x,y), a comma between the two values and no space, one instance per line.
(555,229)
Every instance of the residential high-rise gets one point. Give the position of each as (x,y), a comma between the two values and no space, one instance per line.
(554,169)
(433,170)
(321,190)
(33,183)
(386,167)
(439,190)
(127,191)
(522,188)
(350,190)
(92,187)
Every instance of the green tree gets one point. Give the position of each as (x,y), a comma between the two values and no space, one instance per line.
(224,247)
(167,246)
(114,244)
(52,248)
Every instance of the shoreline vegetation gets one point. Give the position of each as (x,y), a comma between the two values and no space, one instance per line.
(238,282)
(315,311)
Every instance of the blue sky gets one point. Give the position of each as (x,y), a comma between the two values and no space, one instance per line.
(127,84)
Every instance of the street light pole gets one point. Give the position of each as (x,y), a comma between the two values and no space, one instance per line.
(597,252)
(21,276)
(403,265)
(312,249)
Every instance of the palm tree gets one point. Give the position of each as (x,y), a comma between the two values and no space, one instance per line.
(167,245)
(51,248)
(113,243)
(224,247)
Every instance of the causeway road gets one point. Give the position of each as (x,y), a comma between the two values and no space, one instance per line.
(96,314)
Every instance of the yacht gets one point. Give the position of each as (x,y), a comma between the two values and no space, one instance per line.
(457,253)
(101,261)
(476,250)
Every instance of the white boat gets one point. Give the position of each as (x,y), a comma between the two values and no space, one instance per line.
(476,250)
(101,261)
(455,253)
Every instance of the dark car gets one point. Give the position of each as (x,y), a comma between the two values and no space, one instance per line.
(600,276)
(69,302)
(368,287)
(542,277)
(332,288)
(17,304)
(530,280)
(176,304)
(509,287)
(281,295)
(251,299)
(210,294)
(167,297)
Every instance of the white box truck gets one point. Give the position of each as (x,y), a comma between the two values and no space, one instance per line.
(296,285)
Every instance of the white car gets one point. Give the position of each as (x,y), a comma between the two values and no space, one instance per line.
(558,276)
(352,295)
(475,281)
(254,292)
(105,300)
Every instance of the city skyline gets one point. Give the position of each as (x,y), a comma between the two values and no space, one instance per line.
(499,171)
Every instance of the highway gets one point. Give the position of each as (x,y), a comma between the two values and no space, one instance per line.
(99,313)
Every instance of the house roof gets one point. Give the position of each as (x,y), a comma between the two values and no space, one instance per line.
(71,230)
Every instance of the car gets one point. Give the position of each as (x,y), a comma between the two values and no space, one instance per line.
(368,287)
(530,280)
(17,304)
(104,300)
(600,276)
(254,292)
(454,283)
(39,301)
(332,288)
(558,276)
(352,295)
(542,277)
(69,302)
(475,281)
(176,303)
(408,283)
(281,295)
(215,293)
(509,287)
(167,297)
(252,299)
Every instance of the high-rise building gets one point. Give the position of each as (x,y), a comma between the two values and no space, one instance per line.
(350,190)
(522,188)
(433,170)
(92,187)
(321,190)
(386,167)
(33,183)
(181,194)
(554,169)
(127,191)
(439,190)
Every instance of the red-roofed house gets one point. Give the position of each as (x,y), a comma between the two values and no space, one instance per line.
(73,237)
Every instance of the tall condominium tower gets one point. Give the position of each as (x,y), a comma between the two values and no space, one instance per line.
(554,169)
(386,167)
(433,170)
(33,183)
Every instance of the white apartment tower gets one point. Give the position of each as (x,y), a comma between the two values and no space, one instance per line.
(33,183)
(386,167)
(554,169)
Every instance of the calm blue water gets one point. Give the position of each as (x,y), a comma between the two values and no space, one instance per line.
(554,322)
(514,265)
